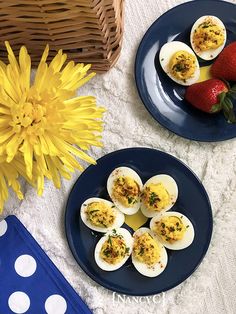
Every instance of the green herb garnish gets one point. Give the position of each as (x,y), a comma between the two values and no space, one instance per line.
(130,200)
(179,67)
(153,198)
(141,251)
(107,252)
(94,210)
(109,240)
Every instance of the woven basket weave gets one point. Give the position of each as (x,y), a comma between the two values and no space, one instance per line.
(89,31)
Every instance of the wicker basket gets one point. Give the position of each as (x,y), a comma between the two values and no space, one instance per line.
(89,31)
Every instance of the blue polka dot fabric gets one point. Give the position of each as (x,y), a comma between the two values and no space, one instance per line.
(29,281)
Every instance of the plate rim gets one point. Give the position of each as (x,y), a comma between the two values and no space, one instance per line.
(107,286)
(156,118)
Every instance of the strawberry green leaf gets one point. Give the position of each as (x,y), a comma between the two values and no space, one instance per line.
(221,97)
(233,88)
(228,103)
(232,92)
(216,108)
(229,111)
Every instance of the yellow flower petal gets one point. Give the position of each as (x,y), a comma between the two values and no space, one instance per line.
(27,151)
(58,61)
(9,178)
(11,56)
(25,66)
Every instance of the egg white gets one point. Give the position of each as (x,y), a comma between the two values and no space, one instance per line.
(119,216)
(126,172)
(129,244)
(211,53)
(156,269)
(171,187)
(166,53)
(188,236)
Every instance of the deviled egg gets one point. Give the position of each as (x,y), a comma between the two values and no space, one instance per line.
(149,256)
(159,194)
(179,62)
(101,215)
(124,188)
(208,37)
(174,230)
(113,249)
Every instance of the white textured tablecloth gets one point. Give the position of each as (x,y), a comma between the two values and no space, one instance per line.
(212,288)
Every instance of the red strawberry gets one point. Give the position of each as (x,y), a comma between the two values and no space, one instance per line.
(225,65)
(212,96)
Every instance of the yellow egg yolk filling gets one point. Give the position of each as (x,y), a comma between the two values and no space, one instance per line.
(208,36)
(126,190)
(114,249)
(146,249)
(170,229)
(182,65)
(156,197)
(100,214)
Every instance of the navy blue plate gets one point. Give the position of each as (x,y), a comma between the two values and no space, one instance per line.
(162,97)
(192,201)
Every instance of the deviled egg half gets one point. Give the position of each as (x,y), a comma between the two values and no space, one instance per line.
(208,37)
(159,194)
(101,215)
(174,230)
(124,188)
(149,256)
(113,249)
(179,62)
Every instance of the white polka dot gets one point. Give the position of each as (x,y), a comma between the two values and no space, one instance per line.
(19,302)
(25,265)
(55,304)
(3,227)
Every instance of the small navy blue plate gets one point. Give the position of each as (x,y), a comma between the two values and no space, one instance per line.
(162,97)
(192,202)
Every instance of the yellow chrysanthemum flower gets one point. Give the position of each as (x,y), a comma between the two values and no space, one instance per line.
(42,121)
